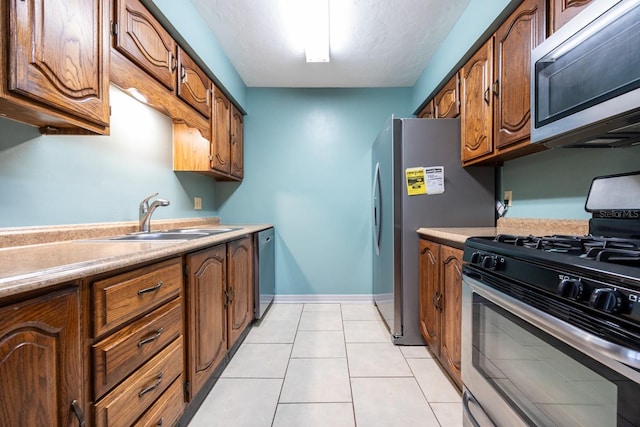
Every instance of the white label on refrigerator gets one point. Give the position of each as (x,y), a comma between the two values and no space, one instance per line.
(434,177)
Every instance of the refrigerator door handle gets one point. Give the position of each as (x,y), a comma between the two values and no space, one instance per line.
(377,224)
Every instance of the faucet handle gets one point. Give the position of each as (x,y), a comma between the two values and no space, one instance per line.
(144,205)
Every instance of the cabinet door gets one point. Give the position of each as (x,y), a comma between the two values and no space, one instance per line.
(477,104)
(220,146)
(564,10)
(206,314)
(239,286)
(514,40)
(428,112)
(142,39)
(237,143)
(194,86)
(447,101)
(40,361)
(450,352)
(57,52)
(430,294)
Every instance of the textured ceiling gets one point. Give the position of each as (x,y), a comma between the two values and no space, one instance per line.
(374,43)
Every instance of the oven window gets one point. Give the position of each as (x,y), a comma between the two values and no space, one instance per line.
(546,381)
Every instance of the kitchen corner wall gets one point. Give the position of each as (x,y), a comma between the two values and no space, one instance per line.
(52,180)
(307,171)
(555,182)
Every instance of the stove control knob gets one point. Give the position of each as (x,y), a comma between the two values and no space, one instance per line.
(491,262)
(476,257)
(607,300)
(571,288)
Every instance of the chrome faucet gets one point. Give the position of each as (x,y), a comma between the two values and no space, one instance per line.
(146,211)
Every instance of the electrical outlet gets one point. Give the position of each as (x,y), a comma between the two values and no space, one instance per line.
(197,203)
(508,197)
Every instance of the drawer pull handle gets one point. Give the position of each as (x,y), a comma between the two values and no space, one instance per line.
(151,289)
(152,338)
(161,422)
(77,411)
(152,387)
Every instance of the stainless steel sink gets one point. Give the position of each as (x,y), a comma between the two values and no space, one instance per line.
(208,231)
(161,235)
(174,235)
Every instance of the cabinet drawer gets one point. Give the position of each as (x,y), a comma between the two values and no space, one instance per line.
(119,354)
(167,409)
(132,397)
(123,297)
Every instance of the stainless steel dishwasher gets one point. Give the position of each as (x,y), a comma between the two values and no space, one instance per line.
(265,277)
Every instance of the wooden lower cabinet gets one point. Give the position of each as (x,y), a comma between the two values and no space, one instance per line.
(429,293)
(219,306)
(440,304)
(138,343)
(206,315)
(127,402)
(41,361)
(239,287)
(451,310)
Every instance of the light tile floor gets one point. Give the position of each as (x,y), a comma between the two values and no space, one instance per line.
(328,365)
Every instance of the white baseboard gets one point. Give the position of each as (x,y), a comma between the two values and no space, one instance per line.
(327,298)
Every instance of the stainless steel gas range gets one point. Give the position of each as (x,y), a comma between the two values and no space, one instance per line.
(551,325)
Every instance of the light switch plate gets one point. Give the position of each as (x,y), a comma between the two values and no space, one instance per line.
(197,203)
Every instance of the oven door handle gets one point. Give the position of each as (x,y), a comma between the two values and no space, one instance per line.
(474,412)
(623,360)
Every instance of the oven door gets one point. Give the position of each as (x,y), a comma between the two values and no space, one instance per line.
(522,366)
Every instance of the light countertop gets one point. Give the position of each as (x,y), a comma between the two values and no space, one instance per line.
(38,266)
(456,236)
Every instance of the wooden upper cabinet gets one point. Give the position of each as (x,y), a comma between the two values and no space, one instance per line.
(428,112)
(41,361)
(430,292)
(143,40)
(194,87)
(239,287)
(55,64)
(237,143)
(221,128)
(450,350)
(447,101)
(514,40)
(563,10)
(477,104)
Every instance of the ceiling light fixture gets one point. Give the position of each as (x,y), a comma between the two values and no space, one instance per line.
(317,31)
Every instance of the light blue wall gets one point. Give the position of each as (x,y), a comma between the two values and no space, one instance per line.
(308,167)
(50,180)
(473,23)
(555,183)
(188,22)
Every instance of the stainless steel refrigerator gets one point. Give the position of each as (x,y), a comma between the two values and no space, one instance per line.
(467,201)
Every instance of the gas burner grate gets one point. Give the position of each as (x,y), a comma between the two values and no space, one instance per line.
(614,250)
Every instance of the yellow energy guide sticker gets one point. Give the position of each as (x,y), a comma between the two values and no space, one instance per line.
(415,181)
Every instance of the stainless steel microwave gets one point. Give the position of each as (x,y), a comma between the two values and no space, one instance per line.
(585,79)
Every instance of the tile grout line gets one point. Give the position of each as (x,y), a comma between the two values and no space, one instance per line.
(273,419)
